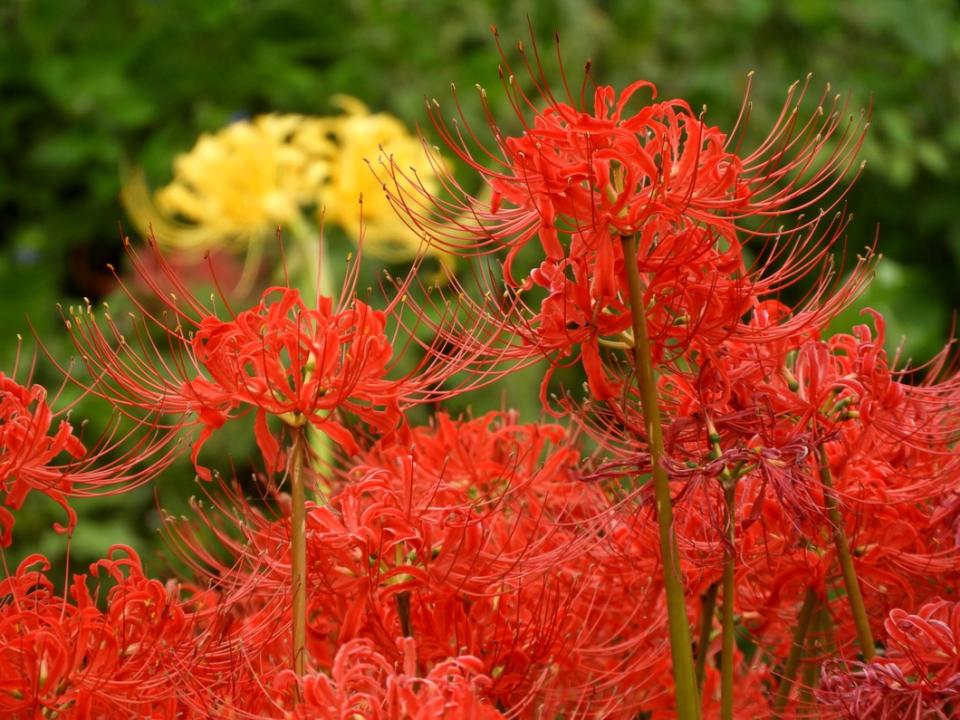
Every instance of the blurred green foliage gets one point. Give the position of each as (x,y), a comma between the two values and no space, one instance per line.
(87,85)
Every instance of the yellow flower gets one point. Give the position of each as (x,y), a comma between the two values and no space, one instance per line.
(362,137)
(235,186)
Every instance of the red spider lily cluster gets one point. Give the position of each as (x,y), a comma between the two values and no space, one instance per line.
(29,448)
(918,677)
(739,514)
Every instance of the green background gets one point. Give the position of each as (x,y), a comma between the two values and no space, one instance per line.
(87,86)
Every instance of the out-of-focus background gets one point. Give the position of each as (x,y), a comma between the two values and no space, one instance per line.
(90,87)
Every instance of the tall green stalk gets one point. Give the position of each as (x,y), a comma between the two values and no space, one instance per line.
(687,696)
(298,554)
(789,673)
(819,644)
(708,605)
(311,276)
(850,580)
(728,481)
(729,559)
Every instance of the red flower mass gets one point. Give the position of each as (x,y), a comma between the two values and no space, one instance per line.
(485,568)
(295,363)
(27,449)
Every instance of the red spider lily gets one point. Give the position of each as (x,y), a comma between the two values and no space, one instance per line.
(364,683)
(769,406)
(36,457)
(879,422)
(460,538)
(27,450)
(919,676)
(65,657)
(763,410)
(297,364)
(582,179)
(594,176)
(604,170)
(280,358)
(606,174)
(732,391)
(144,649)
(900,556)
(691,314)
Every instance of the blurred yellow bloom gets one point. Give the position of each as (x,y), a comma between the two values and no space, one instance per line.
(237,185)
(362,137)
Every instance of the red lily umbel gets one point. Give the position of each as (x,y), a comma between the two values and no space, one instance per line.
(580,179)
(41,451)
(188,367)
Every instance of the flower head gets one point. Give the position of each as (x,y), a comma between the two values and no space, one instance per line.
(296,363)
(237,185)
(581,178)
(919,676)
(605,173)
(28,449)
(362,682)
(361,137)
(607,169)
(67,657)
(282,358)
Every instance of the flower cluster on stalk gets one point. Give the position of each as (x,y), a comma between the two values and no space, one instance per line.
(480,566)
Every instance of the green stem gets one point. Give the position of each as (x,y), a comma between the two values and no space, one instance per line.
(708,605)
(298,555)
(403,610)
(687,697)
(308,248)
(850,581)
(817,647)
(727,656)
(796,651)
(808,682)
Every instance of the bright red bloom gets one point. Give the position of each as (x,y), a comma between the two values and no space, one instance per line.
(609,173)
(295,363)
(282,358)
(28,449)
(484,529)
(65,657)
(919,676)
(583,177)
(39,451)
(604,171)
(364,683)
(278,358)
(889,437)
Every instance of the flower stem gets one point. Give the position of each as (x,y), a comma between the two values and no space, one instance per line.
(819,645)
(708,605)
(729,558)
(403,610)
(298,555)
(687,697)
(312,278)
(796,651)
(808,682)
(850,581)
(728,481)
